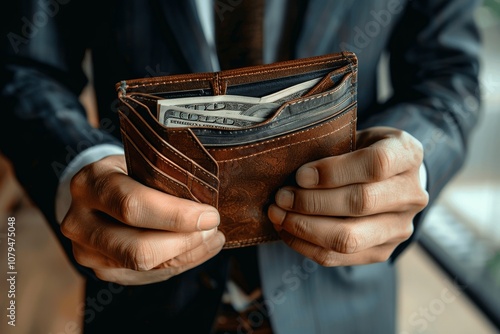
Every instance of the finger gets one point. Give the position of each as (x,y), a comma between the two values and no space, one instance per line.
(384,158)
(331,258)
(184,263)
(124,276)
(397,194)
(212,246)
(343,235)
(91,258)
(132,248)
(134,204)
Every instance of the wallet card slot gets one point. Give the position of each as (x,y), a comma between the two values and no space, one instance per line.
(185,93)
(162,158)
(154,175)
(140,130)
(254,89)
(329,82)
(328,127)
(182,141)
(267,87)
(292,116)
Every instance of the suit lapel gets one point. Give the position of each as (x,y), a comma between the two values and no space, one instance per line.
(181,18)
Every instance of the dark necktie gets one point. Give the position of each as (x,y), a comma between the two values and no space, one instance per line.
(238,28)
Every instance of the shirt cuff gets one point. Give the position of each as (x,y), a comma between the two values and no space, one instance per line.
(88,156)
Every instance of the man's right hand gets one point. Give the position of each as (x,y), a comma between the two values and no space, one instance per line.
(131,234)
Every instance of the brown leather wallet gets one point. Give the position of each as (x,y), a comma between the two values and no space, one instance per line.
(238,171)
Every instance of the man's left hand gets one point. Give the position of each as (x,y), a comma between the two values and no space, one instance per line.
(354,208)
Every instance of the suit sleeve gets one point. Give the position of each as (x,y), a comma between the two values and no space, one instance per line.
(44,126)
(434,65)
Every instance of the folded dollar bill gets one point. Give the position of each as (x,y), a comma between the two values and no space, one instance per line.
(226,111)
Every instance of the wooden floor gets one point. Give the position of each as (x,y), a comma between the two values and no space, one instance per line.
(49,291)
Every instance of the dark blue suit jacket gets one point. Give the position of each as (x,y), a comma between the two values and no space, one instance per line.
(432,48)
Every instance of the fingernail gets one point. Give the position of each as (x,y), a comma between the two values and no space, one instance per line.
(217,242)
(207,235)
(284,198)
(208,220)
(307,177)
(276,215)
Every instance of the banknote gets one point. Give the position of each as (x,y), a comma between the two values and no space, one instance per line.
(291,92)
(227,110)
(220,118)
(234,104)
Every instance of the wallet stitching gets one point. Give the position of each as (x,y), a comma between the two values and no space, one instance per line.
(281,68)
(216,84)
(288,145)
(235,75)
(280,138)
(238,75)
(252,240)
(175,182)
(165,82)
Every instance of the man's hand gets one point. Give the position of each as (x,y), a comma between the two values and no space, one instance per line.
(131,234)
(355,208)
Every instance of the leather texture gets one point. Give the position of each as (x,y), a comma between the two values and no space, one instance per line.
(238,171)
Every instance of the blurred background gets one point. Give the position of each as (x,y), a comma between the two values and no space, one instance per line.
(449,280)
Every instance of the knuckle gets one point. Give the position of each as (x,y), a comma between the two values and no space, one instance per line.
(177,218)
(407,232)
(129,206)
(139,255)
(113,276)
(187,259)
(68,228)
(71,226)
(423,199)
(79,255)
(325,258)
(291,241)
(346,241)
(315,202)
(418,151)
(175,270)
(400,134)
(413,145)
(187,242)
(299,226)
(98,238)
(100,274)
(363,199)
(382,163)
(81,180)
